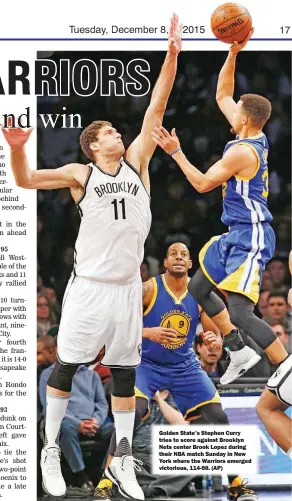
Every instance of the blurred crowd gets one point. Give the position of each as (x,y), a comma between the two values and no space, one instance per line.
(179,214)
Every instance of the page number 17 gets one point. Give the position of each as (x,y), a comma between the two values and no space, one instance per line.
(285,29)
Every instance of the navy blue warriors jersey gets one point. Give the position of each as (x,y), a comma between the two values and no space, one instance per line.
(167,311)
(245,199)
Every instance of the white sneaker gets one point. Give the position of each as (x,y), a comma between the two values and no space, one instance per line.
(121,472)
(53,482)
(240,362)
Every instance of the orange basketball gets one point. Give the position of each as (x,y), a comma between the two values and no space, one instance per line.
(231,22)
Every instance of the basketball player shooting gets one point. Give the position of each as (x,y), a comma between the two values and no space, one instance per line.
(235,260)
(102,302)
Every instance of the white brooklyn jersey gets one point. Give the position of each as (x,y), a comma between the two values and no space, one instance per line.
(115,221)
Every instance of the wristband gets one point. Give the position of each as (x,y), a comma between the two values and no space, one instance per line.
(175,151)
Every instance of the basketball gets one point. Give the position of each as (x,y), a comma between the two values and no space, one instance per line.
(231,22)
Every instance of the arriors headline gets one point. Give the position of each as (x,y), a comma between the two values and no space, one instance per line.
(84,78)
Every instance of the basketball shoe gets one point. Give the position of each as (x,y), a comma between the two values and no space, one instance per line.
(53,482)
(240,362)
(121,471)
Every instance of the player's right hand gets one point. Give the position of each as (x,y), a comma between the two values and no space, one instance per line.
(168,142)
(16,137)
(174,35)
(237,47)
(289,299)
(159,335)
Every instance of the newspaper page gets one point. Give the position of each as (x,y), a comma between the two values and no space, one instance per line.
(145,320)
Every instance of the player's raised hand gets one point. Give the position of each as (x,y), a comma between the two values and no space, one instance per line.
(16,137)
(168,142)
(174,35)
(237,47)
(210,339)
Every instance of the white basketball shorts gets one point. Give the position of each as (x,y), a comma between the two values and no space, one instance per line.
(99,314)
(280,383)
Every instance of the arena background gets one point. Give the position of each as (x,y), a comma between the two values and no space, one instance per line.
(179,212)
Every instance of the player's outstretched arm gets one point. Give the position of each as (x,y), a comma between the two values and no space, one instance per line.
(45,179)
(236,161)
(141,150)
(225,86)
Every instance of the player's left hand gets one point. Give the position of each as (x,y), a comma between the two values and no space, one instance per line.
(289,299)
(210,339)
(237,47)
(174,35)
(167,142)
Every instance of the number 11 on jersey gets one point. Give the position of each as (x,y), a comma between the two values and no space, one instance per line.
(119,211)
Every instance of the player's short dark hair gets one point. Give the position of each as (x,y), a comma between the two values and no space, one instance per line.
(90,134)
(275,293)
(173,243)
(258,108)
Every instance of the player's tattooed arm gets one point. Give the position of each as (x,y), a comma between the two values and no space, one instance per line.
(141,150)
(225,85)
(238,160)
(147,292)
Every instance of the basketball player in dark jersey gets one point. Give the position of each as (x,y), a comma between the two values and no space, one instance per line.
(234,261)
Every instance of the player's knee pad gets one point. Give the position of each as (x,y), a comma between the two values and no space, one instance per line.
(241,311)
(211,414)
(195,286)
(123,382)
(62,376)
(203,291)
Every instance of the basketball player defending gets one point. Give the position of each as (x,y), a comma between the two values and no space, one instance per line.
(276,399)
(102,302)
(171,317)
(235,260)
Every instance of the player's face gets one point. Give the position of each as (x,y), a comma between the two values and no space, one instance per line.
(239,119)
(178,261)
(110,142)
